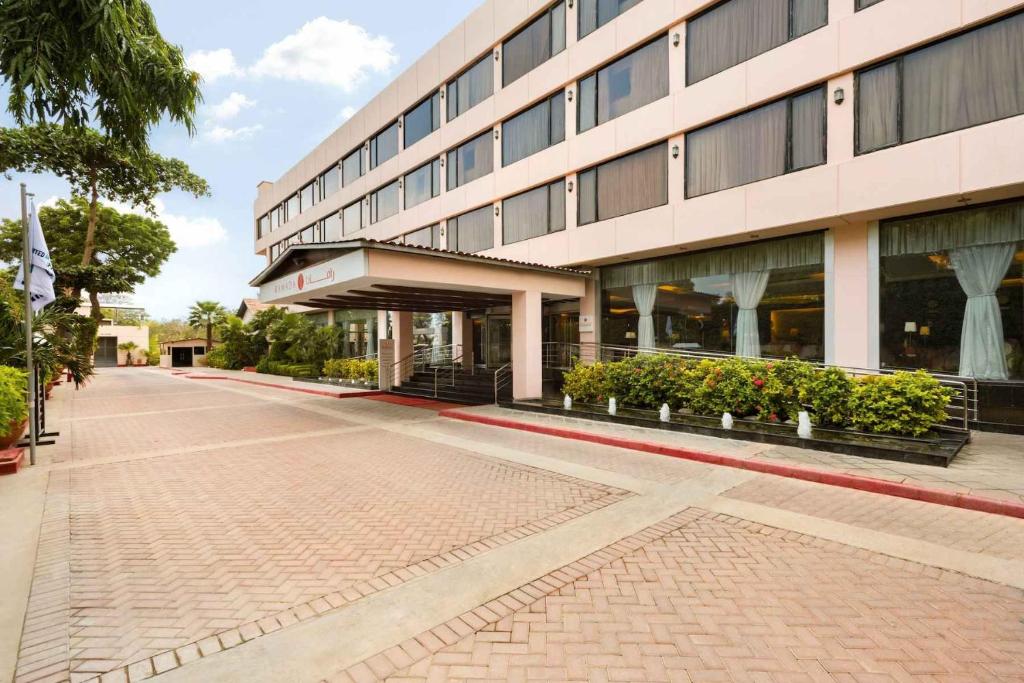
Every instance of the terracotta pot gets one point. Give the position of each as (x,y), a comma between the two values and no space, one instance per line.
(15,430)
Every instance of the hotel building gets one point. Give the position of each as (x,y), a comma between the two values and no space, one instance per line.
(837,180)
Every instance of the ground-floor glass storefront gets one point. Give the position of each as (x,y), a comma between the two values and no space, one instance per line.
(761,299)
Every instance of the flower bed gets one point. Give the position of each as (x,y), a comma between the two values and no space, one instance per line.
(908,404)
(352,369)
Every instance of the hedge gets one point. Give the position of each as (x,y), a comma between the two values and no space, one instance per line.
(13,403)
(903,403)
(273,367)
(352,368)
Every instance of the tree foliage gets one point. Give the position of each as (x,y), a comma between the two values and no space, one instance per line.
(208,314)
(128,248)
(75,62)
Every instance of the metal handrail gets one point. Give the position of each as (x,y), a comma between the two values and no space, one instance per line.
(502,376)
(426,357)
(455,361)
(962,406)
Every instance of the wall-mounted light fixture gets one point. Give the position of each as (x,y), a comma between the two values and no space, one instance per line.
(497,210)
(442,162)
(570,4)
(675,39)
(495,133)
(839,96)
(568,94)
(399,123)
(675,151)
(569,186)
(442,93)
(497,55)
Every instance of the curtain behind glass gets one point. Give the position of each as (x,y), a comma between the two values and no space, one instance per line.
(596,13)
(732,33)
(644,297)
(633,183)
(980,271)
(861,4)
(741,150)
(586,206)
(352,216)
(384,202)
(419,185)
(994,224)
(471,88)
(806,16)
(965,81)
(474,231)
(384,146)
(330,181)
(332,228)
(748,290)
(808,130)
(421,120)
(878,107)
(424,237)
(471,160)
(352,167)
(633,81)
(526,133)
(527,49)
(525,215)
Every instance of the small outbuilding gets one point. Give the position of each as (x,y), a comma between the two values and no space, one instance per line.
(183,353)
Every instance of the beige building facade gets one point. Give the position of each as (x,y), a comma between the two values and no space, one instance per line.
(836,180)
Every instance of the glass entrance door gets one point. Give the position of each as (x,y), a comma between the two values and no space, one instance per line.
(498,340)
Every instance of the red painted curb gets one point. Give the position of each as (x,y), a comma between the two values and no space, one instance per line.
(840,479)
(314,392)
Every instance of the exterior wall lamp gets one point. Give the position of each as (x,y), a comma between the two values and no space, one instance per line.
(675,39)
(497,55)
(568,94)
(497,210)
(496,133)
(839,96)
(675,151)
(569,186)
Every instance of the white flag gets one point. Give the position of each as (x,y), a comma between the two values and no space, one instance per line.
(42,269)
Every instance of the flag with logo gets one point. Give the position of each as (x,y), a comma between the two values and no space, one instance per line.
(41,284)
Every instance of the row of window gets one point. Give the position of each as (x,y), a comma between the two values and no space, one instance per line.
(969,79)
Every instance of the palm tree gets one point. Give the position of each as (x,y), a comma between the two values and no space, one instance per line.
(128,347)
(208,313)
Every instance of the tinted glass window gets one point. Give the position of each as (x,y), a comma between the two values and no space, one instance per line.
(543,38)
(537,128)
(422,120)
(639,78)
(474,86)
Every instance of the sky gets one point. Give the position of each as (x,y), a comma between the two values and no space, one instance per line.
(278,78)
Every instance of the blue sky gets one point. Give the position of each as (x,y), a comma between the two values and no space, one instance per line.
(279,77)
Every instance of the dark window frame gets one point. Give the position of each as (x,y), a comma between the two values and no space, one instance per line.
(789,38)
(898,59)
(322,186)
(371,199)
(597,93)
(864,4)
(579,20)
(435,187)
(547,230)
(597,194)
(435,122)
(372,144)
(549,10)
(547,98)
(823,87)
(454,81)
(446,165)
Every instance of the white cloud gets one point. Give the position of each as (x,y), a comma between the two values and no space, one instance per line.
(347,113)
(221,134)
(336,53)
(213,64)
(230,107)
(188,232)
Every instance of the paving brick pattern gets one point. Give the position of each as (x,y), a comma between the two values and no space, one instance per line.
(706,597)
(950,527)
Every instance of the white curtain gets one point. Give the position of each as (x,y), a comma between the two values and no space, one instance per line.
(437,331)
(979,271)
(643,298)
(747,289)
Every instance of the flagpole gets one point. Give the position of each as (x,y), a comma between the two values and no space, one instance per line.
(27,267)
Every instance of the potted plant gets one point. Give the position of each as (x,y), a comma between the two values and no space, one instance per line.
(13,408)
(128,347)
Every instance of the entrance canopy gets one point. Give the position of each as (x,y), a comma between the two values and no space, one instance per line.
(370,275)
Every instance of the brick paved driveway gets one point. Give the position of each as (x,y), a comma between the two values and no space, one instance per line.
(188,522)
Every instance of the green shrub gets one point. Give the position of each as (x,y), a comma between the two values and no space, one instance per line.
(827,393)
(218,358)
(907,403)
(291,369)
(774,391)
(588,383)
(263,365)
(351,368)
(13,404)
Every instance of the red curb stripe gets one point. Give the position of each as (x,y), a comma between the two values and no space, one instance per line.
(843,480)
(314,392)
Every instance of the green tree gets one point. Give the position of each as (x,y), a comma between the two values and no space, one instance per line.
(208,314)
(95,166)
(128,347)
(75,62)
(128,248)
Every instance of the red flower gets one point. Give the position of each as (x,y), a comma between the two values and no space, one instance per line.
(773,417)
(758,382)
(771,366)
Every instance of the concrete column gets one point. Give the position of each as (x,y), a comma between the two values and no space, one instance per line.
(462,334)
(590,320)
(527,339)
(851,315)
(386,359)
(402,333)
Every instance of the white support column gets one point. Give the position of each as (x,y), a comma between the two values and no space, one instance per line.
(462,335)
(402,334)
(527,336)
